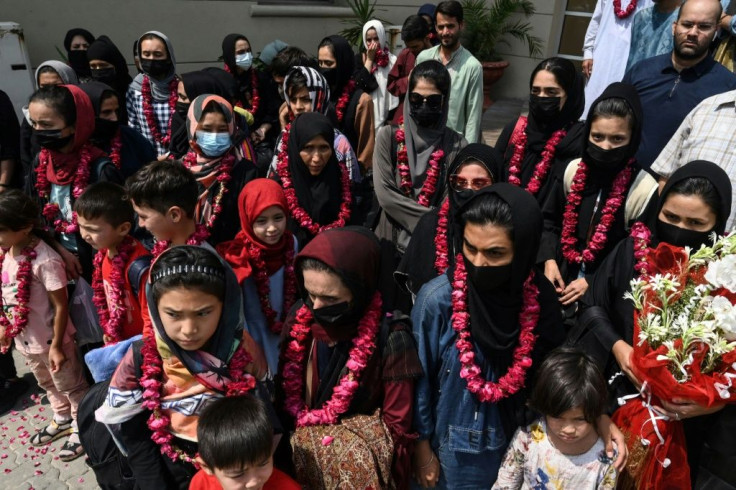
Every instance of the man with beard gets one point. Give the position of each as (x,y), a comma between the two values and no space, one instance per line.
(672,84)
(466,73)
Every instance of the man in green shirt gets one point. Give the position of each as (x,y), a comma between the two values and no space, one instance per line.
(466,93)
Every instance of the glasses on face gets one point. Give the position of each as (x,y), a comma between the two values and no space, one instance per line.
(433,101)
(461,183)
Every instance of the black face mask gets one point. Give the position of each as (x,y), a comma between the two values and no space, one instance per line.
(423,115)
(157,69)
(544,109)
(680,237)
(104,75)
(605,159)
(488,278)
(330,75)
(105,129)
(51,139)
(78,60)
(336,315)
(182,108)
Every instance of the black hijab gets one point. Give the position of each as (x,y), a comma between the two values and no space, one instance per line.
(104,49)
(484,155)
(96,92)
(345,59)
(319,195)
(78,59)
(228,51)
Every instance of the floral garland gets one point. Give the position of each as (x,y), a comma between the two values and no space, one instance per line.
(24,278)
(255,99)
(381,59)
(519,139)
(441,262)
(112,322)
(149,112)
(402,166)
(264,287)
(297,212)
(223,177)
(342,102)
(570,217)
(515,377)
(641,236)
(115,146)
(199,236)
(623,13)
(364,344)
(50,210)
(241,383)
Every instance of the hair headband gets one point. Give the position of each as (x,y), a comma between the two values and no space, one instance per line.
(186,269)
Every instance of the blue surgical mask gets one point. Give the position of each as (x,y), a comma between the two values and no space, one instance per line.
(244,60)
(213,144)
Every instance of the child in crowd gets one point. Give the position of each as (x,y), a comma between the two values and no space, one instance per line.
(34,312)
(236,448)
(562,449)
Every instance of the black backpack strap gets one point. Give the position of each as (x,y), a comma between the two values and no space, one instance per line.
(136,270)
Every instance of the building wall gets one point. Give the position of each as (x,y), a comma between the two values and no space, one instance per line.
(196,27)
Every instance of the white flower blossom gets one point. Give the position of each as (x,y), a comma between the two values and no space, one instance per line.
(722,273)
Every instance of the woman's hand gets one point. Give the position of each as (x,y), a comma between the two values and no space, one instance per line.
(622,352)
(552,272)
(71,262)
(574,291)
(682,408)
(370,51)
(56,358)
(612,435)
(426,466)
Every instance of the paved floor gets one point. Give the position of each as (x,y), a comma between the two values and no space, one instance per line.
(499,115)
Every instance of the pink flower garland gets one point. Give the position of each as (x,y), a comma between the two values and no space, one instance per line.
(641,236)
(519,139)
(297,212)
(50,210)
(241,383)
(381,59)
(112,323)
(570,217)
(621,13)
(150,114)
(263,284)
(402,166)
(24,278)
(115,145)
(364,345)
(223,177)
(342,102)
(515,377)
(441,262)
(199,236)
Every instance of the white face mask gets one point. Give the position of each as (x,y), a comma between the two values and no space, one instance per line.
(244,61)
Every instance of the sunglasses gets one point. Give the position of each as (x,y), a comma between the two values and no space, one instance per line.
(433,101)
(461,183)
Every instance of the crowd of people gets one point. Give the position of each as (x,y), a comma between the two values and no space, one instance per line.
(312,272)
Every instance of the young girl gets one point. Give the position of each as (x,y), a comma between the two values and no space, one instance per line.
(376,63)
(200,351)
(562,449)
(34,314)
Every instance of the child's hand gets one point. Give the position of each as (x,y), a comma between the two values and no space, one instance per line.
(106,338)
(611,436)
(56,358)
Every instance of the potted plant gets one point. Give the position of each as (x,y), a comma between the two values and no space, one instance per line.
(487,24)
(363,11)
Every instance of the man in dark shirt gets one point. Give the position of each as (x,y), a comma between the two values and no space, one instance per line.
(671,85)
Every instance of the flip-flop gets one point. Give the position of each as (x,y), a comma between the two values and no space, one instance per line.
(71,450)
(45,436)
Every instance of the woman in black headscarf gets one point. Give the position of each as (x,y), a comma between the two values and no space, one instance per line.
(316,184)
(108,65)
(76,43)
(353,107)
(595,198)
(605,326)
(476,166)
(544,142)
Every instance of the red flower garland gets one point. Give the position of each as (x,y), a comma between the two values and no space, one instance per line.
(297,212)
(23,278)
(197,238)
(623,13)
(364,345)
(255,99)
(381,59)
(570,217)
(112,323)
(81,179)
(150,114)
(223,177)
(342,102)
(514,379)
(402,166)
(264,287)
(441,262)
(519,139)
(241,383)
(115,146)
(641,236)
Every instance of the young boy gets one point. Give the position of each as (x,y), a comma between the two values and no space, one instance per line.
(235,438)
(105,220)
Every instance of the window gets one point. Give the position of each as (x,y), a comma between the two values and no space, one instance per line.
(576,18)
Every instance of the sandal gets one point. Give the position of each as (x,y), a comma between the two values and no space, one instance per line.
(51,432)
(72,448)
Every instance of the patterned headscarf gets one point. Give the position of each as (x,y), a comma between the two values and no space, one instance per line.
(319,89)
